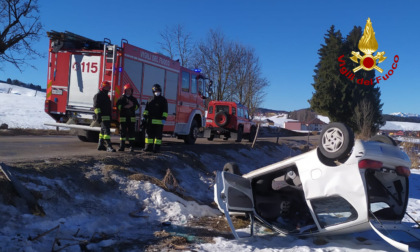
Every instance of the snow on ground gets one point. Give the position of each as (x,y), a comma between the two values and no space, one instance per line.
(24,110)
(404,126)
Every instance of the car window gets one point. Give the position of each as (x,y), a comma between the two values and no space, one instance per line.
(210,110)
(233,111)
(223,108)
(246,114)
(333,210)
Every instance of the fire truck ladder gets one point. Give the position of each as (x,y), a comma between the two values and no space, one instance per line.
(109,56)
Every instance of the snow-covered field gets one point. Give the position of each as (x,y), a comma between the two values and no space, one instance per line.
(20,108)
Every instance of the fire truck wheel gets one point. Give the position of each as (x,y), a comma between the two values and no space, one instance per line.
(221,119)
(140,135)
(93,136)
(210,138)
(82,138)
(89,136)
(190,138)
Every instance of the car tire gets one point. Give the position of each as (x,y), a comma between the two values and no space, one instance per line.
(221,119)
(210,138)
(240,134)
(383,139)
(252,134)
(336,141)
(232,167)
(192,136)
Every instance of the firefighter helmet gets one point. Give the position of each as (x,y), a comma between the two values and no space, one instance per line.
(105,85)
(127,86)
(156,88)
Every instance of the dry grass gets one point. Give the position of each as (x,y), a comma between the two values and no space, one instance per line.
(409,149)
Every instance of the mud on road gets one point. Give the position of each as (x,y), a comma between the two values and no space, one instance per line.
(179,166)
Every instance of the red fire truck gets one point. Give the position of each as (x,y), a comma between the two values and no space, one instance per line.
(77,65)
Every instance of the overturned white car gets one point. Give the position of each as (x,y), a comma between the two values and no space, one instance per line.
(343,186)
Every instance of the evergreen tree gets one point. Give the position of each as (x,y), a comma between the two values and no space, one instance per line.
(328,97)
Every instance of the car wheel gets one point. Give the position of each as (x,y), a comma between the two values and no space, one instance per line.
(221,119)
(192,136)
(383,139)
(210,138)
(336,141)
(240,134)
(252,134)
(232,167)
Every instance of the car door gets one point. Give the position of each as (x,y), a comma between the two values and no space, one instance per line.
(233,193)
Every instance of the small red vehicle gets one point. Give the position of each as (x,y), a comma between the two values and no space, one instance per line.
(230,120)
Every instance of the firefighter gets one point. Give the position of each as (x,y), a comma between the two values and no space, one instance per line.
(102,105)
(155,115)
(127,106)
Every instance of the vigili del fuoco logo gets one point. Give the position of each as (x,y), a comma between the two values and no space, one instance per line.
(368,45)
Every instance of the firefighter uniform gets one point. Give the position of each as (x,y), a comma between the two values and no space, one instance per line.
(102,105)
(155,115)
(127,106)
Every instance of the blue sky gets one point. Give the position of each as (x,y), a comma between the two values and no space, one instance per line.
(286,36)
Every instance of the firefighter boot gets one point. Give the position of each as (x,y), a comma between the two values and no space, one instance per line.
(109,148)
(101,145)
(122,146)
(131,146)
(156,148)
(149,148)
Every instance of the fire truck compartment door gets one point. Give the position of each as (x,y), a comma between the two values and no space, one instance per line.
(84,80)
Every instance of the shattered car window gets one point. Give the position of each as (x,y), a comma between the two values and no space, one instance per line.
(333,210)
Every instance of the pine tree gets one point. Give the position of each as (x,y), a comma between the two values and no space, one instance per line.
(328,97)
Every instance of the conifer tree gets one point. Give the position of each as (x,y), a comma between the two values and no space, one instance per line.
(328,97)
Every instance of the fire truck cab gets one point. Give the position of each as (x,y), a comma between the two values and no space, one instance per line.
(77,65)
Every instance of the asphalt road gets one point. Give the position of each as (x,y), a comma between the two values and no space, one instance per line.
(26,148)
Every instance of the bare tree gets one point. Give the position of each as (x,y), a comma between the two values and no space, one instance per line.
(218,58)
(20,27)
(247,84)
(363,115)
(234,69)
(177,43)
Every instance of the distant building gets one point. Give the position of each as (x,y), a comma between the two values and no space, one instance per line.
(312,125)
